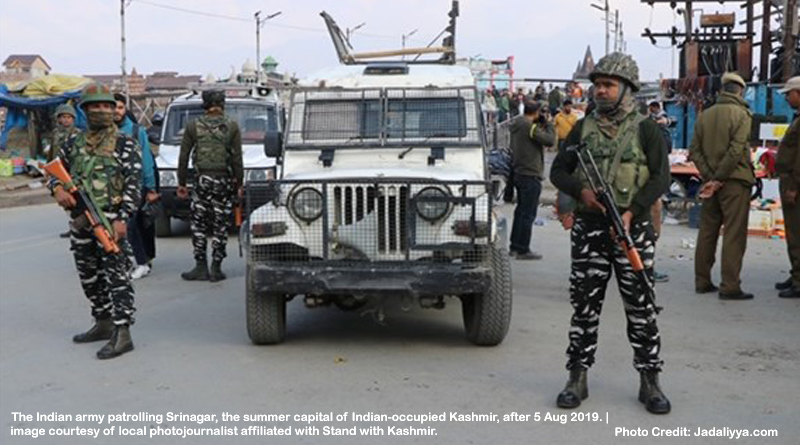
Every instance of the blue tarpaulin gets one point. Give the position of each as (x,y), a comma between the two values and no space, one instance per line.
(17,105)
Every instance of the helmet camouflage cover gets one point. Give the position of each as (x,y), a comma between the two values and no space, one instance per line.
(96,92)
(65,109)
(213,98)
(620,66)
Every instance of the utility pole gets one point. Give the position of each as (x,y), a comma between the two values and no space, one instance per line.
(617,41)
(259,24)
(766,41)
(607,20)
(789,39)
(124,71)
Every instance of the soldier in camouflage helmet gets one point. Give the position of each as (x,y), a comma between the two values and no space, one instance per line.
(630,154)
(107,165)
(65,129)
(214,144)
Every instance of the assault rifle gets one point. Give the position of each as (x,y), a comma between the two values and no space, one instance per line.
(85,212)
(623,237)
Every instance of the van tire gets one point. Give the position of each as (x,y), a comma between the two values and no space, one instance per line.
(487,316)
(266,314)
(163,225)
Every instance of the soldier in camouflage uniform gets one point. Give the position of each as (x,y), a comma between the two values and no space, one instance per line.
(214,144)
(630,154)
(65,129)
(109,163)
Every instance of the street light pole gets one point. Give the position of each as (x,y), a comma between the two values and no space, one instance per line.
(349,31)
(124,70)
(259,24)
(405,37)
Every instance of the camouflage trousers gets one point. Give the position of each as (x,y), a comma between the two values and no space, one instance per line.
(211,207)
(104,278)
(594,255)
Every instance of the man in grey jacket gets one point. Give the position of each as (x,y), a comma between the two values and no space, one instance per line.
(530,133)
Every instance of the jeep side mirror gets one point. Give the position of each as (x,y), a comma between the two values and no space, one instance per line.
(273,144)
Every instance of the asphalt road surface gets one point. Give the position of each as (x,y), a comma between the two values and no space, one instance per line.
(730,366)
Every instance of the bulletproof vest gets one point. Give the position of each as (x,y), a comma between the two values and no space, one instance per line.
(212,152)
(620,160)
(98,171)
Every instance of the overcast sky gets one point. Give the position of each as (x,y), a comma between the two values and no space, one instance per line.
(547,37)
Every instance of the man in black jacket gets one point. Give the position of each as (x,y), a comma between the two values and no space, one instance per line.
(529,134)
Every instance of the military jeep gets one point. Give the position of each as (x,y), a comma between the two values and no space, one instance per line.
(383,193)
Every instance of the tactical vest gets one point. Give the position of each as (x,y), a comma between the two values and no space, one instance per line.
(98,171)
(212,154)
(620,160)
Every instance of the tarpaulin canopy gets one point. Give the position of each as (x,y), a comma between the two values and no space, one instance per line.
(42,94)
(54,85)
(14,101)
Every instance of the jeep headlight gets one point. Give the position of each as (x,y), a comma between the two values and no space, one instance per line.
(432,210)
(168,178)
(306,204)
(256,174)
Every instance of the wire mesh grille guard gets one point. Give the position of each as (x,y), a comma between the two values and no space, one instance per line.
(369,220)
(380,117)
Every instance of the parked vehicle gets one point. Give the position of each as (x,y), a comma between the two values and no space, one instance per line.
(384,193)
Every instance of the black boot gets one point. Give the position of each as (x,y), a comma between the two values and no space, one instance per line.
(216,274)
(650,393)
(119,344)
(101,330)
(575,391)
(199,273)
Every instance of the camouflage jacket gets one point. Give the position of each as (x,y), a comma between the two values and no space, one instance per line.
(127,158)
(216,136)
(59,136)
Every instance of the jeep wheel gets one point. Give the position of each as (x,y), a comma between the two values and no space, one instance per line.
(266,315)
(487,316)
(163,225)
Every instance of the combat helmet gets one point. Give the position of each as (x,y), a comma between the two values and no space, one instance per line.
(213,98)
(619,66)
(96,92)
(65,109)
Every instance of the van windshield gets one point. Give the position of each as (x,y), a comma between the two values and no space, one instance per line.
(254,120)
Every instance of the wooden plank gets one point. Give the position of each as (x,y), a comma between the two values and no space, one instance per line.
(403,52)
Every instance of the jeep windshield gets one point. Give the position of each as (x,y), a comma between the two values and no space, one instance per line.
(384,117)
(254,120)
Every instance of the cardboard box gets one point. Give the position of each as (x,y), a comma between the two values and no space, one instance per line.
(760,220)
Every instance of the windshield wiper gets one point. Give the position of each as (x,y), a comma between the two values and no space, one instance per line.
(404,153)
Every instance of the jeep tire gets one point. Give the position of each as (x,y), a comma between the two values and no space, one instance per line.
(487,316)
(266,314)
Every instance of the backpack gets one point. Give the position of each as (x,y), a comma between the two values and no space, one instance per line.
(212,152)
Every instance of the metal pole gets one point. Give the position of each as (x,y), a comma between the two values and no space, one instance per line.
(789,42)
(607,26)
(766,41)
(258,47)
(124,71)
(617,42)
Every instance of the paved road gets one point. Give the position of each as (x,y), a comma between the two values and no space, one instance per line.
(729,364)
